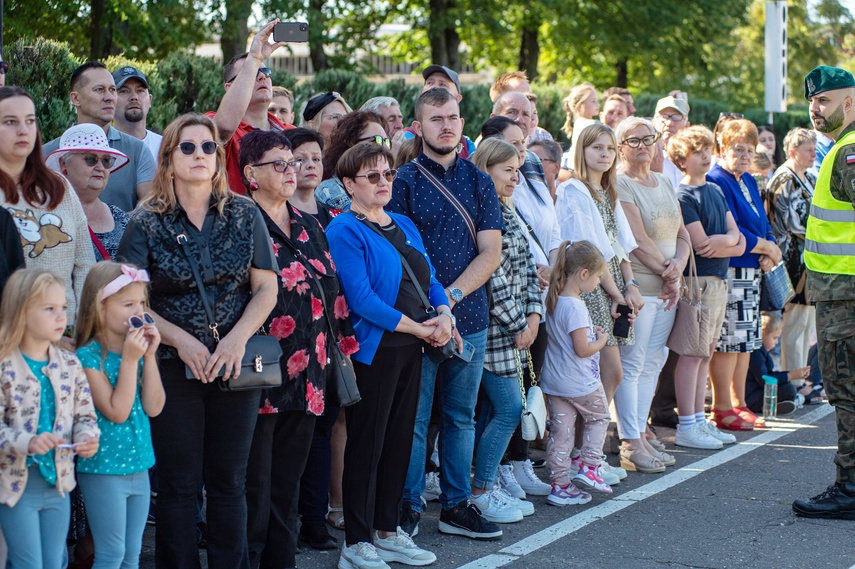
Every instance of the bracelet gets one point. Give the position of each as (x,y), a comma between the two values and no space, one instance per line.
(450,317)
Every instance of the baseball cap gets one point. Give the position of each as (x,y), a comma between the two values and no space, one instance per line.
(431,69)
(121,75)
(672,103)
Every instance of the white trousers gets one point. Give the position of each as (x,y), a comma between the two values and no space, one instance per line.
(799,322)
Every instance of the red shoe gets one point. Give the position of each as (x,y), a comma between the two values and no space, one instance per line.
(748,415)
(731,420)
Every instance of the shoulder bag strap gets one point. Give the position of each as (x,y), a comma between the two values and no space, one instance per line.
(531,231)
(184,242)
(446,193)
(100,246)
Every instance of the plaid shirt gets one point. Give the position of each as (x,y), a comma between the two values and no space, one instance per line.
(516,294)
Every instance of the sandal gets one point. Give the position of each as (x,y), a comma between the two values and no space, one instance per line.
(657,445)
(748,415)
(338,521)
(814,397)
(735,422)
(631,459)
(665,458)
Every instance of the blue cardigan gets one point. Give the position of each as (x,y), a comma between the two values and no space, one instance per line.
(751,225)
(369,268)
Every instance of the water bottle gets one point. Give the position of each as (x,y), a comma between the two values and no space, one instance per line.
(770,397)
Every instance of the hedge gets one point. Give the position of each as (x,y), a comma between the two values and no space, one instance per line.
(183,82)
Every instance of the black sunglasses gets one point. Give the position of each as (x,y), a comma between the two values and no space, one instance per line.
(263,70)
(188,148)
(374,177)
(282,165)
(4,67)
(106,161)
(377,139)
(137,322)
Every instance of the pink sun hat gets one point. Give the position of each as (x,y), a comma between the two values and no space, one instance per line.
(85,137)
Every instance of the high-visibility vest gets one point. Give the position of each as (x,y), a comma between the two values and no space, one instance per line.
(830,236)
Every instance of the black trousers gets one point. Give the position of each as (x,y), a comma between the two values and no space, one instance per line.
(518,447)
(665,399)
(314,485)
(379,441)
(280,445)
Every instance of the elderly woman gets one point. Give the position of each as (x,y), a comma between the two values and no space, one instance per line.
(369,246)
(359,126)
(323,113)
(190,224)
(308,301)
(651,207)
(789,194)
(740,334)
(86,160)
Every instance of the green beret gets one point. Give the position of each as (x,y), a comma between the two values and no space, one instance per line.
(825,78)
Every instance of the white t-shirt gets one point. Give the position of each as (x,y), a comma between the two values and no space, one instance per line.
(152,141)
(564,373)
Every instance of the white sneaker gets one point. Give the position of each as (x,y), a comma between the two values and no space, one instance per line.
(620,472)
(400,548)
(508,482)
(494,508)
(697,437)
(524,506)
(528,480)
(713,431)
(360,556)
(432,489)
(607,475)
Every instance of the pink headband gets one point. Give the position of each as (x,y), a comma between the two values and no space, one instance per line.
(129,275)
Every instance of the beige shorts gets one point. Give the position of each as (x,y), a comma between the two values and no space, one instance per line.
(714,297)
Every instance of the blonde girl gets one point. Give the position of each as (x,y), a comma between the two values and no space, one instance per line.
(48,417)
(581,107)
(571,376)
(118,340)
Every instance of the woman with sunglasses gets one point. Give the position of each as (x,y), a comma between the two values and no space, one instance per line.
(191,228)
(85,158)
(47,213)
(740,334)
(359,126)
(651,207)
(368,245)
(309,300)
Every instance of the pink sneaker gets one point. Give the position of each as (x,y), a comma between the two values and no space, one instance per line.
(588,477)
(567,496)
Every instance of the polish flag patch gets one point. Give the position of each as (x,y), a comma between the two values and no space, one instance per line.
(850,159)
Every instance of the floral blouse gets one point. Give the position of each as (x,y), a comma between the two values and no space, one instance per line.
(298,320)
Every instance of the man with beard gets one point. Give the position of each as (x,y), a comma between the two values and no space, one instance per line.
(133,103)
(455,207)
(830,258)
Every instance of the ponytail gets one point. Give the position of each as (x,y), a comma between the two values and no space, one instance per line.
(572,258)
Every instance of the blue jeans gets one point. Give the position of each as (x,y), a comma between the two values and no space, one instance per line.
(117,509)
(35,528)
(458,385)
(500,415)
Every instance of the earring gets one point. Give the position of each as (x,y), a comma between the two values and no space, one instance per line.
(253,186)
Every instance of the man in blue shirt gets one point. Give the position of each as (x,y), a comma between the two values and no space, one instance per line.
(462,233)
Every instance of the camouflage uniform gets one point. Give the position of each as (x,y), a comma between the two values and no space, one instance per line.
(834,295)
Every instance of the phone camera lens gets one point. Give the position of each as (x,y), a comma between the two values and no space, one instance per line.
(303,27)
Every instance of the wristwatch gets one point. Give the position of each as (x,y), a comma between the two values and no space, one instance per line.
(450,315)
(455,293)
(634,283)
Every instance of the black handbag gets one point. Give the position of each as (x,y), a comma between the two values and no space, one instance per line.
(341,390)
(259,367)
(437,354)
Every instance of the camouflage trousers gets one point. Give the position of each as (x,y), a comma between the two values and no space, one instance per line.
(835,327)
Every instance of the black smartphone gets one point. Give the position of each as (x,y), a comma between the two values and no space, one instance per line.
(467,353)
(621,327)
(291,32)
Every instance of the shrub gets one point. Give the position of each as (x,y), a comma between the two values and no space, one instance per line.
(184,83)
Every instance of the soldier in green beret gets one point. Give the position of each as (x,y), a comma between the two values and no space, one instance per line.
(830,258)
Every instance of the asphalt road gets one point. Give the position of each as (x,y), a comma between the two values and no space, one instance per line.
(715,509)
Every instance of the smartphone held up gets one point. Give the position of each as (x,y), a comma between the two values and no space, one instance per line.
(291,32)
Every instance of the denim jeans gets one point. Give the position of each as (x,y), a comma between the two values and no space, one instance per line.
(500,416)
(35,528)
(117,509)
(458,392)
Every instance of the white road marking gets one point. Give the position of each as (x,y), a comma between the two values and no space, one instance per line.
(562,529)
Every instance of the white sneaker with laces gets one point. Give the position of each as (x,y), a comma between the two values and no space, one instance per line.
(432,489)
(621,473)
(360,556)
(526,507)
(696,437)
(508,482)
(608,476)
(400,548)
(528,480)
(494,508)
(713,431)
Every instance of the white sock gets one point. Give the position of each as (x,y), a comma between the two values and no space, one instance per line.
(700,417)
(686,423)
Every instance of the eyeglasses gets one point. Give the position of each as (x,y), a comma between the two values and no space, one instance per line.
(188,148)
(676,117)
(263,70)
(636,142)
(730,116)
(374,177)
(92,159)
(4,67)
(378,140)
(282,165)
(136,322)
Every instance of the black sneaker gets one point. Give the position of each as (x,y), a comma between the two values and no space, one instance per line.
(465,519)
(786,407)
(838,502)
(538,462)
(410,520)
(316,537)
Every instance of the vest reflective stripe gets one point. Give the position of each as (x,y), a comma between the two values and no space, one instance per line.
(830,236)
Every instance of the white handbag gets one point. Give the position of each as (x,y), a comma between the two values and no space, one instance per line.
(533,417)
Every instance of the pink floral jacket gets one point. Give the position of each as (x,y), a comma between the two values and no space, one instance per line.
(20,399)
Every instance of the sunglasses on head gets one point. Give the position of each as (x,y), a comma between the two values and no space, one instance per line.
(282,165)
(374,177)
(263,70)
(92,159)
(730,116)
(188,148)
(377,139)
(136,322)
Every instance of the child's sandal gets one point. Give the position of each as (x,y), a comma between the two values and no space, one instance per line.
(731,421)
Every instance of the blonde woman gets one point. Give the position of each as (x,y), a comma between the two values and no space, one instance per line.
(323,112)
(581,106)
(190,216)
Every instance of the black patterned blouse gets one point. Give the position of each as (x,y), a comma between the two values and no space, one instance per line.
(298,320)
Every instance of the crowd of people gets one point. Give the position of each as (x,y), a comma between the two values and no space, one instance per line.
(452,275)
